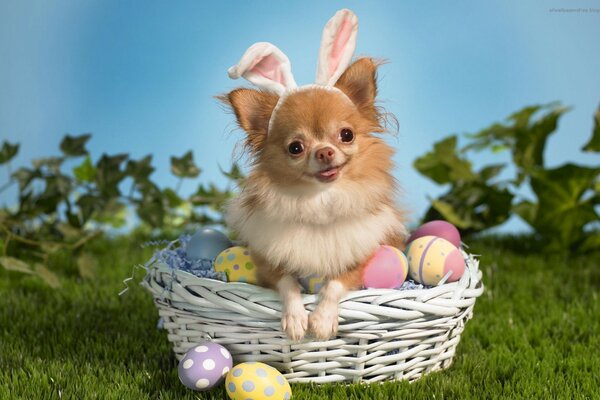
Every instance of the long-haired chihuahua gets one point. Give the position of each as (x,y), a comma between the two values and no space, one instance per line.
(320,196)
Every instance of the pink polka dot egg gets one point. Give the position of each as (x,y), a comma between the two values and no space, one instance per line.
(387,269)
(256,381)
(431,258)
(204,366)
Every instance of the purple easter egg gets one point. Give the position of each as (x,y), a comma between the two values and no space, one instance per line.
(204,366)
(442,229)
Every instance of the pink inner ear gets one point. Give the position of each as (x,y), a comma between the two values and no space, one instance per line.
(269,67)
(339,44)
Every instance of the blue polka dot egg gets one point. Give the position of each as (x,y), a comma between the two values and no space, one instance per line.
(256,381)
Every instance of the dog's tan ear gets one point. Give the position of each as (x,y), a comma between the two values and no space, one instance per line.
(253,109)
(359,82)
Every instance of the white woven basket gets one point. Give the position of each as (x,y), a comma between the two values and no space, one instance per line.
(384,334)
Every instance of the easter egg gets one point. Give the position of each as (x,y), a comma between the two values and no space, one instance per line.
(312,283)
(204,366)
(430,258)
(256,381)
(237,264)
(206,243)
(386,269)
(438,228)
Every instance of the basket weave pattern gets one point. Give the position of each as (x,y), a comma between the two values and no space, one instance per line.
(384,334)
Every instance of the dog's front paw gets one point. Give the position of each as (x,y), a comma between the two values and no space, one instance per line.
(294,321)
(323,322)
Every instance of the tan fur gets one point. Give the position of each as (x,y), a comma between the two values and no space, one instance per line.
(252,109)
(295,224)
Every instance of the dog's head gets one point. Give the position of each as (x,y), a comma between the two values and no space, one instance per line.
(317,134)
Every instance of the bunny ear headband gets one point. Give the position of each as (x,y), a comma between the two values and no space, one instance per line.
(267,67)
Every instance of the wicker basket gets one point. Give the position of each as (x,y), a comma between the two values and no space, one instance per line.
(384,334)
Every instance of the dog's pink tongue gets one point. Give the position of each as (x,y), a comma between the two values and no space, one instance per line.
(329,172)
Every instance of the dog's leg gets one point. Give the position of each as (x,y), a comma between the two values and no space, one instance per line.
(323,321)
(294,319)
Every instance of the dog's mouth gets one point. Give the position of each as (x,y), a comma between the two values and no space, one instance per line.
(329,174)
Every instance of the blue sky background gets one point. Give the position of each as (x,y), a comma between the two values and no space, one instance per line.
(141,76)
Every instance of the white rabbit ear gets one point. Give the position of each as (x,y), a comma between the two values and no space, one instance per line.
(266,66)
(337,47)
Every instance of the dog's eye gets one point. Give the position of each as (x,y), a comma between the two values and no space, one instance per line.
(346,135)
(296,148)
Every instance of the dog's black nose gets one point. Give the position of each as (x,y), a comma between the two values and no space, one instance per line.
(325,155)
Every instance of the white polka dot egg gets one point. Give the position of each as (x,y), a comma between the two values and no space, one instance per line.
(204,366)
(256,381)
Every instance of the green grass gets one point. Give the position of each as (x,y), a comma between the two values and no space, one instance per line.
(535,334)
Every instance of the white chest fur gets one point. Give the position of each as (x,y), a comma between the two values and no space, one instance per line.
(325,240)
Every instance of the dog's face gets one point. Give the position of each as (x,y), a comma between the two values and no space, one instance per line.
(318,137)
(313,138)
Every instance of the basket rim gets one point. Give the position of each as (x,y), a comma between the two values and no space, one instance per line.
(469,285)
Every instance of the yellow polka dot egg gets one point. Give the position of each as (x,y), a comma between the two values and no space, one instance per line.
(237,264)
(256,381)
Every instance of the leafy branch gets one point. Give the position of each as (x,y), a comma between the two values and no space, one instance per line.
(60,210)
(564,211)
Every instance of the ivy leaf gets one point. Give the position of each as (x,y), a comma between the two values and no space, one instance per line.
(53,164)
(522,117)
(87,266)
(564,185)
(211,196)
(172,197)
(499,148)
(58,188)
(50,247)
(113,213)
(140,170)
(594,143)
(69,231)
(591,242)
(531,142)
(564,207)
(47,276)
(13,264)
(495,135)
(443,165)
(184,167)
(85,172)
(27,206)
(491,171)
(235,173)
(25,176)
(524,136)
(453,215)
(527,210)
(472,206)
(75,145)
(8,152)
(89,204)
(151,208)
(109,174)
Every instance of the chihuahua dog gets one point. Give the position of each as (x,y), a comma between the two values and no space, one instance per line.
(320,196)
